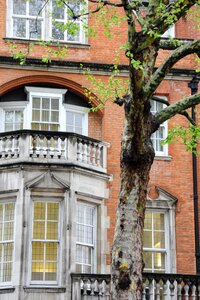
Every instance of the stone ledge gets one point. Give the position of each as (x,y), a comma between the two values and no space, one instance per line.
(37,289)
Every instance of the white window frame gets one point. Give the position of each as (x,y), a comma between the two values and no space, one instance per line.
(164,125)
(44,92)
(78,109)
(94,246)
(46,29)
(10,106)
(59,243)
(4,202)
(164,250)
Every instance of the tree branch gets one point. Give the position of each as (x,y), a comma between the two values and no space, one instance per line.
(177,108)
(160,100)
(185,114)
(171,14)
(173,58)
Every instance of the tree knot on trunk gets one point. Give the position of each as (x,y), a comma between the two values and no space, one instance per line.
(124,280)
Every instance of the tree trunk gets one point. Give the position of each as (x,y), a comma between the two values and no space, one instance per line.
(127,260)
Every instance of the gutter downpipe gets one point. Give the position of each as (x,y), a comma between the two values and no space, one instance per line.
(193,85)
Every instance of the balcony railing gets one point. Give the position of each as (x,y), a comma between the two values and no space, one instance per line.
(31,146)
(155,286)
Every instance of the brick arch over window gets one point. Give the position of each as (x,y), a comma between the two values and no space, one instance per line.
(69,84)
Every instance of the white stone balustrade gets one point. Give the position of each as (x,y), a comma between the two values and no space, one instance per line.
(52,147)
(90,287)
(155,287)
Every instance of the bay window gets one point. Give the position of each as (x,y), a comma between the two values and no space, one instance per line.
(40,19)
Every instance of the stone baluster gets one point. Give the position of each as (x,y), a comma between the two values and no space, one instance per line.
(172,288)
(62,155)
(186,290)
(55,152)
(107,292)
(157,290)
(79,150)
(85,287)
(93,154)
(96,287)
(41,146)
(98,155)
(48,147)
(179,289)
(103,290)
(165,289)
(144,294)
(100,289)
(92,286)
(9,146)
(88,152)
(16,146)
(84,151)
(3,147)
(151,289)
(34,145)
(193,292)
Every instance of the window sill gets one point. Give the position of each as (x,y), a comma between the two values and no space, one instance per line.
(44,289)
(163,157)
(6,289)
(51,43)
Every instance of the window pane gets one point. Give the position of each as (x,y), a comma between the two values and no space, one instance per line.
(9,116)
(7,271)
(57,32)
(37,271)
(9,211)
(159,221)
(148,221)
(55,104)
(36,103)
(51,271)
(57,12)
(39,230)
(8,231)
(46,103)
(55,116)
(19,28)
(39,210)
(147,257)
(45,116)
(52,212)
(147,239)
(35,29)
(37,251)
(159,240)
(35,6)
(51,251)
(52,231)
(159,261)
(19,7)
(35,115)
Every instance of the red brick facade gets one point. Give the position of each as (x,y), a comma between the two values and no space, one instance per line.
(174,174)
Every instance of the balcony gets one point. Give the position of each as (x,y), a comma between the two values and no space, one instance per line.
(44,147)
(155,286)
